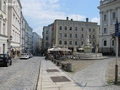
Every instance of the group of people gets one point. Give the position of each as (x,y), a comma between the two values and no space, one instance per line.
(55,55)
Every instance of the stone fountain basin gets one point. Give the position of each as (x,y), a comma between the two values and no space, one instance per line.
(91,56)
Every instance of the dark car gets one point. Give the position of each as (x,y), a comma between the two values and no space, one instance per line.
(5,60)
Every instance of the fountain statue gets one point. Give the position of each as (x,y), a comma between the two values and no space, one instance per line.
(87,46)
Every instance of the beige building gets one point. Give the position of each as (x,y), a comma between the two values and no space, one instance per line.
(14,24)
(72,34)
(109,11)
(3,26)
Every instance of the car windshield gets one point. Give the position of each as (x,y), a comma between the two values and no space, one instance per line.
(24,54)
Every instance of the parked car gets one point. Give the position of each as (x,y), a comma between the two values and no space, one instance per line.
(30,55)
(24,56)
(5,60)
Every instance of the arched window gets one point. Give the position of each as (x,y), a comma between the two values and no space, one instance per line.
(105,43)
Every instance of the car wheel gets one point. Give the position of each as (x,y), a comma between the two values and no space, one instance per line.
(7,64)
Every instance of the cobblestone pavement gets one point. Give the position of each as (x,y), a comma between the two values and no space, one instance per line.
(21,75)
(93,77)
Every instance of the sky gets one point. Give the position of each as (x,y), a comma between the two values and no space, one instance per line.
(40,13)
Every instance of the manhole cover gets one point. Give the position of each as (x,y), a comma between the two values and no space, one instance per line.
(52,70)
(59,79)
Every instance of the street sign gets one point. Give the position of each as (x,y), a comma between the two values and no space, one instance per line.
(116,28)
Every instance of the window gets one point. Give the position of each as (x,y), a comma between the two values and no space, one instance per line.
(112,42)
(60,27)
(70,35)
(105,43)
(113,15)
(65,34)
(75,28)
(70,28)
(93,43)
(65,27)
(47,44)
(93,30)
(13,18)
(70,42)
(82,29)
(105,17)
(60,35)
(46,38)
(89,36)
(46,32)
(89,29)
(82,36)
(65,42)
(60,42)
(93,36)
(75,42)
(4,7)
(3,28)
(82,43)
(105,31)
(75,35)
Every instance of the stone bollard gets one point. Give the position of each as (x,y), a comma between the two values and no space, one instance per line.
(69,67)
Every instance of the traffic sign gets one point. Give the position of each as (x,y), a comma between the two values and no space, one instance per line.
(116,28)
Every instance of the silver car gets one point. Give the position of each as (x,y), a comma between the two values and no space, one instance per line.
(24,56)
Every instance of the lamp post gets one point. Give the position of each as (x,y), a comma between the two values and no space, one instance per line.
(116,66)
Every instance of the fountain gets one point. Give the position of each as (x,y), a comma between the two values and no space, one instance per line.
(87,54)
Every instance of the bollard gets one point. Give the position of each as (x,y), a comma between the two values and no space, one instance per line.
(69,67)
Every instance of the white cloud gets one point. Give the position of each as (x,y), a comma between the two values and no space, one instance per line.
(96,20)
(39,30)
(45,12)
(76,17)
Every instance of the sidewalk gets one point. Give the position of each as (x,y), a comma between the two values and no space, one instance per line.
(53,78)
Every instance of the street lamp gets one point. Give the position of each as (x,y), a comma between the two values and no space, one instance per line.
(116,66)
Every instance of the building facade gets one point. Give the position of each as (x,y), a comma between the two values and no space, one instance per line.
(47,36)
(3,26)
(23,34)
(36,44)
(30,39)
(14,25)
(109,11)
(72,34)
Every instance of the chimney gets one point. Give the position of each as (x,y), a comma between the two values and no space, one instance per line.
(67,18)
(86,19)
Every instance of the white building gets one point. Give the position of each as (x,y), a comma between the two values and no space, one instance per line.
(36,44)
(109,11)
(14,24)
(3,26)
